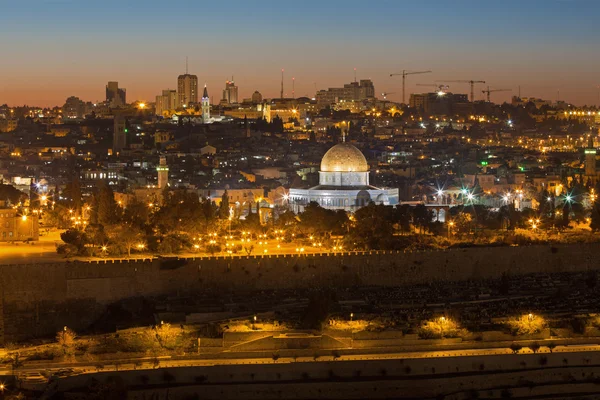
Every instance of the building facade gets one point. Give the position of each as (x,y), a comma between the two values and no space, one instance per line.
(166,103)
(18,227)
(187,89)
(354,91)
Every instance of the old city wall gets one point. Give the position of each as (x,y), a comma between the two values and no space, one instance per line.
(37,299)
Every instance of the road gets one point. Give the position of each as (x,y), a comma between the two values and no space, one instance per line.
(43,250)
(32,370)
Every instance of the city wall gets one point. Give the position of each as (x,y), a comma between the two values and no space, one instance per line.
(38,299)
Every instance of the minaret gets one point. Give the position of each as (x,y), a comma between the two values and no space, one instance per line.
(163,173)
(205,106)
(590,159)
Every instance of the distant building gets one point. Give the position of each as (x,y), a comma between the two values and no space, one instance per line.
(115,96)
(230,93)
(354,91)
(257,97)
(440,103)
(119,134)
(74,108)
(18,227)
(8,124)
(251,112)
(166,103)
(187,89)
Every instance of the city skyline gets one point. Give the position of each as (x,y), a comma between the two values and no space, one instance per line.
(543,47)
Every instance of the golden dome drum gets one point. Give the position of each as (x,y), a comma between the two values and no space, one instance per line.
(344,157)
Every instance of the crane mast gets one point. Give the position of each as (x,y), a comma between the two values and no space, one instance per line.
(404,74)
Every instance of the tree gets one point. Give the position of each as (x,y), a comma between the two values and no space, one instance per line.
(125,237)
(136,214)
(515,347)
(535,347)
(373,227)
(224,207)
(72,192)
(66,340)
(422,217)
(11,195)
(526,324)
(105,207)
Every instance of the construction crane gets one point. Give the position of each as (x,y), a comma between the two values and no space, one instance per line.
(471,82)
(404,73)
(385,94)
(488,91)
(441,89)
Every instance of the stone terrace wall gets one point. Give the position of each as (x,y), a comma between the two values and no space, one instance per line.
(39,298)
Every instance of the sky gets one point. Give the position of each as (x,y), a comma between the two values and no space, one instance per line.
(52,49)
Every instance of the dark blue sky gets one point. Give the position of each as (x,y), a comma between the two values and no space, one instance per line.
(59,48)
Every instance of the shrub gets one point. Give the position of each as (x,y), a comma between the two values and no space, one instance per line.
(535,347)
(441,328)
(526,324)
(515,347)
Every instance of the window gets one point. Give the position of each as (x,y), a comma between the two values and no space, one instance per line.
(10,234)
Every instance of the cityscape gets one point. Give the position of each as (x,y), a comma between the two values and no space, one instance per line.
(342,202)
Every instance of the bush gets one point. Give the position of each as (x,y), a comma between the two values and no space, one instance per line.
(535,347)
(526,324)
(515,347)
(441,328)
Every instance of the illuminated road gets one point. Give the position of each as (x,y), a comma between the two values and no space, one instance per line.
(43,250)
(28,370)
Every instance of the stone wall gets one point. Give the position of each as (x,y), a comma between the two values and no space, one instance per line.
(39,299)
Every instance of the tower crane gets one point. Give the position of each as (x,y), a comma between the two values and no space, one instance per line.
(404,73)
(488,91)
(471,82)
(385,94)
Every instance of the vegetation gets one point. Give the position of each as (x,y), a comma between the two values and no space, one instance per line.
(526,324)
(440,328)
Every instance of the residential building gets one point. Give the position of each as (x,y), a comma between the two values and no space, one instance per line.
(187,89)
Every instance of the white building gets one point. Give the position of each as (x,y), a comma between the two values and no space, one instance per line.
(343,183)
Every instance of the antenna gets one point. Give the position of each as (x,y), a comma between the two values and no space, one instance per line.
(281,96)
(186,65)
(355,75)
(293,88)
(519,91)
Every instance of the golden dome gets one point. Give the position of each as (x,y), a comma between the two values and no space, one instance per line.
(344,157)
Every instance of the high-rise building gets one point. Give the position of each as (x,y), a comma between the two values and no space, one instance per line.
(230,93)
(163,173)
(115,96)
(119,134)
(205,106)
(187,89)
(166,102)
(353,91)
